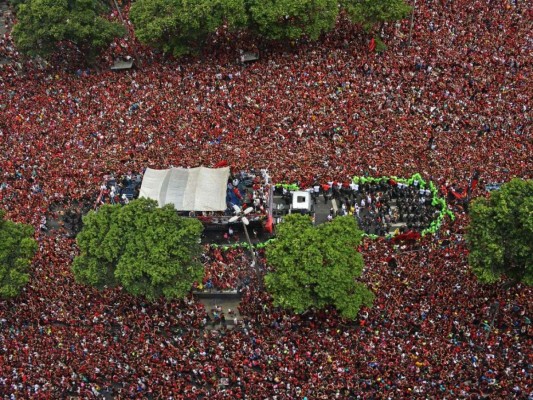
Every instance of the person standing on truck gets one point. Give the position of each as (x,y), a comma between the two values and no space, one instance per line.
(355,188)
(325,191)
(316,192)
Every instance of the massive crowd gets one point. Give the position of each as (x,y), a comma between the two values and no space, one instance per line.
(226,269)
(455,101)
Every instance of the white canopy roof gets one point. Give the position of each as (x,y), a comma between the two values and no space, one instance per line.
(189,189)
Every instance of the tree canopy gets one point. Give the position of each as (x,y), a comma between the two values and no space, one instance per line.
(292,19)
(17,248)
(500,234)
(370,13)
(44,25)
(180,26)
(16,3)
(317,266)
(147,250)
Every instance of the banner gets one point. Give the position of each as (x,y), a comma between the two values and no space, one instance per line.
(243,245)
(288,186)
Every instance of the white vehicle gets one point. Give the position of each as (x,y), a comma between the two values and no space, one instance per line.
(302,202)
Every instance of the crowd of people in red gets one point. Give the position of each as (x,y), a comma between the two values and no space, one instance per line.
(455,101)
(226,269)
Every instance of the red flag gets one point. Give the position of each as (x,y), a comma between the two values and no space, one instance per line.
(269,224)
(237,193)
(372,45)
(457,195)
(221,164)
(407,236)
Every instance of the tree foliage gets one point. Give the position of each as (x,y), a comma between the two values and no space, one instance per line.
(370,13)
(17,248)
(147,250)
(292,19)
(181,26)
(100,242)
(317,266)
(43,25)
(500,234)
(16,3)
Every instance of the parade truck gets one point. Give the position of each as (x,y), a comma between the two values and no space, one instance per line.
(302,203)
(290,202)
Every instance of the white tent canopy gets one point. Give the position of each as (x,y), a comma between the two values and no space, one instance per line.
(189,189)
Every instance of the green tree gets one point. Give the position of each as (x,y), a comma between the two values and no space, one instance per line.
(317,266)
(101,246)
(500,234)
(181,26)
(370,13)
(17,248)
(161,251)
(43,25)
(149,251)
(16,3)
(292,19)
